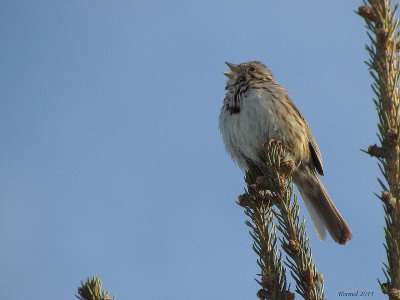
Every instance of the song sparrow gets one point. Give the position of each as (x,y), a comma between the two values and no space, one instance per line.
(257,109)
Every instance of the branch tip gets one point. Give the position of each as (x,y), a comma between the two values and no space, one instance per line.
(263,294)
(367,13)
(388,199)
(385,287)
(320,278)
(243,200)
(386,196)
(375,150)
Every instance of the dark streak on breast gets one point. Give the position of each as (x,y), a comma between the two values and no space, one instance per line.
(233,110)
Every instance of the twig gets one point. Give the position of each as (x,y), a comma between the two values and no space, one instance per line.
(273,275)
(92,290)
(382,26)
(273,186)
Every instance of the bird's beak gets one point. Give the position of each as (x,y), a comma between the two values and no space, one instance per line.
(229,75)
(234,68)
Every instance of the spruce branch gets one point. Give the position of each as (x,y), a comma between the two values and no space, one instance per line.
(309,283)
(263,232)
(270,184)
(382,29)
(92,290)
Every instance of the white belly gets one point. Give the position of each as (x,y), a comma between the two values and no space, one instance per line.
(261,117)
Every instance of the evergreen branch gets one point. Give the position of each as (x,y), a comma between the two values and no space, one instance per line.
(297,245)
(382,26)
(92,290)
(263,232)
(270,184)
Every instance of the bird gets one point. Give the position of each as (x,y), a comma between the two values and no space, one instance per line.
(256,109)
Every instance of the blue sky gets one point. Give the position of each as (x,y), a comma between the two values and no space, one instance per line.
(111,161)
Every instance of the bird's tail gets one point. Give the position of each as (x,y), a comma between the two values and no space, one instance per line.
(323,211)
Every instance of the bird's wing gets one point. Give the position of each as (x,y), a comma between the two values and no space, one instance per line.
(315,153)
(314,149)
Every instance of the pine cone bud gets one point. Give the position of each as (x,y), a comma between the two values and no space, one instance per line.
(367,13)
(294,247)
(243,200)
(375,151)
(263,294)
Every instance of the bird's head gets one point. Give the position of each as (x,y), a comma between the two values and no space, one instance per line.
(248,71)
